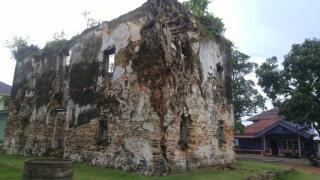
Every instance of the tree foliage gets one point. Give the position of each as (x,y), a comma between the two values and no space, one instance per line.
(246,99)
(213,24)
(295,89)
(271,79)
(198,7)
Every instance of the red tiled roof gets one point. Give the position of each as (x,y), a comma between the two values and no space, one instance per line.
(261,122)
(259,126)
(270,114)
(269,118)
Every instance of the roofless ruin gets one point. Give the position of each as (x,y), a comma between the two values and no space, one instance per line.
(163,105)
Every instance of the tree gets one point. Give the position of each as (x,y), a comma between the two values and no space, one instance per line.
(197,7)
(295,89)
(246,99)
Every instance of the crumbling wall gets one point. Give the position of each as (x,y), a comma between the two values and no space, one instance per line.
(36,92)
(165,106)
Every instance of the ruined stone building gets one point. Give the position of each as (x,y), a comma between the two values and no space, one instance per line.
(163,105)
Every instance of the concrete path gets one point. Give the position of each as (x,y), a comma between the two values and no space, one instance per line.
(299,164)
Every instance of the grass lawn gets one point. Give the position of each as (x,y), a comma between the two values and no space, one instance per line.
(11,168)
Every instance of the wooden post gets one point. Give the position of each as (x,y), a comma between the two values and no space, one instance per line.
(318,144)
(264,144)
(299,145)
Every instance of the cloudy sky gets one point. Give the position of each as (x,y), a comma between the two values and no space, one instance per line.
(259,28)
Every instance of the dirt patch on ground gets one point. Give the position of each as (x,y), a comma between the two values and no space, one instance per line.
(302,167)
(298,164)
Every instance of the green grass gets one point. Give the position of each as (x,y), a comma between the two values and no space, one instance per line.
(298,175)
(11,167)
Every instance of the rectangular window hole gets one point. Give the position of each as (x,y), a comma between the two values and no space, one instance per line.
(103,138)
(109,58)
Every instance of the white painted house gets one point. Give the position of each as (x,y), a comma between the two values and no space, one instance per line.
(5,91)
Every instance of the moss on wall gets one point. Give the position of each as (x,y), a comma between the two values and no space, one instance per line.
(83,79)
(43,87)
(111,105)
(86,116)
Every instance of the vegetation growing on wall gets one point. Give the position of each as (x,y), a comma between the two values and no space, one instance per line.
(213,25)
(21,49)
(56,46)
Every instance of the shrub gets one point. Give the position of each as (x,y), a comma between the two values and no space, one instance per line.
(213,25)
(56,46)
(20,49)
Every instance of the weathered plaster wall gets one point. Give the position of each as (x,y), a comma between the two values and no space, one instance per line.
(166,106)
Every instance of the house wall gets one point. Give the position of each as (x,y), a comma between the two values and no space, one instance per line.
(3,119)
(278,138)
(3,115)
(251,143)
(318,148)
(165,108)
(257,144)
(306,144)
(3,101)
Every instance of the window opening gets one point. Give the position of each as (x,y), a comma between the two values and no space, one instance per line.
(219,68)
(183,142)
(221,139)
(109,58)
(290,145)
(68,58)
(103,138)
(68,61)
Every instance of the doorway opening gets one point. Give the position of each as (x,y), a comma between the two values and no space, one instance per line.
(274,147)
